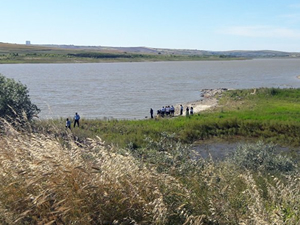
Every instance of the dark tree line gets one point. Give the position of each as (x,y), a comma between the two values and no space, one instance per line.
(100,55)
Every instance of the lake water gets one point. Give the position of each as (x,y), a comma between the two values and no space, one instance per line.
(129,90)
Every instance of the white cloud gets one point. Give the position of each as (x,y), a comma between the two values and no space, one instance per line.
(262,32)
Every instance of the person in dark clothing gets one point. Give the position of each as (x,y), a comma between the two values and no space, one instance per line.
(151,113)
(181,110)
(163,111)
(68,123)
(76,119)
(192,111)
(187,111)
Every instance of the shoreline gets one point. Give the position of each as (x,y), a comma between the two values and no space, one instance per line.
(209,100)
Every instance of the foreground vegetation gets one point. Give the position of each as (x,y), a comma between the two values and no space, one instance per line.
(49,180)
(145,172)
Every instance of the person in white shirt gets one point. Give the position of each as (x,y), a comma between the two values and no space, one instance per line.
(172,110)
(167,110)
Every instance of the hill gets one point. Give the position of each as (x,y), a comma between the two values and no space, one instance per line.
(17,53)
(147,50)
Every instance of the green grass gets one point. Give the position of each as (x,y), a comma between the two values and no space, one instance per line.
(270,114)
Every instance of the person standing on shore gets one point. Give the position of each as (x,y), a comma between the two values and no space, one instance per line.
(187,111)
(151,113)
(172,110)
(76,119)
(192,111)
(162,111)
(68,123)
(181,110)
(167,110)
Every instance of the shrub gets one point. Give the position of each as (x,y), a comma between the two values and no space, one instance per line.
(169,155)
(261,156)
(15,101)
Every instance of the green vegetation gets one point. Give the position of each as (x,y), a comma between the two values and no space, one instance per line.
(144,172)
(272,115)
(15,102)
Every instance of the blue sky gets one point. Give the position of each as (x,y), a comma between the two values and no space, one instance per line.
(181,24)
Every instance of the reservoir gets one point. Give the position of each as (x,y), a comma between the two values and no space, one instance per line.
(129,90)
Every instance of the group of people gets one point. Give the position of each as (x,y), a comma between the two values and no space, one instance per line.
(76,121)
(166,111)
(189,111)
(170,111)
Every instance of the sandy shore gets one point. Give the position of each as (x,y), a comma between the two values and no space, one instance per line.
(208,100)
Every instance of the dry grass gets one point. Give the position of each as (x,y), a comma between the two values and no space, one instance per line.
(46,181)
(43,182)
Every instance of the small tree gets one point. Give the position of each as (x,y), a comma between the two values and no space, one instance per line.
(14,101)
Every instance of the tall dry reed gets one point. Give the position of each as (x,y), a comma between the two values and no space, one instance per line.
(52,179)
(43,182)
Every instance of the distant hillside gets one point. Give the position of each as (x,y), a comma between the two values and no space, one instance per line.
(17,53)
(259,54)
(146,50)
(6,48)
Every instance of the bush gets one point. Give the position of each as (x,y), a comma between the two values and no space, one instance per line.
(15,101)
(169,155)
(261,156)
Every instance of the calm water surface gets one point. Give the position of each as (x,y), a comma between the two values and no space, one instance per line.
(129,90)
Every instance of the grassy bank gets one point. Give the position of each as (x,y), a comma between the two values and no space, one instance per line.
(272,115)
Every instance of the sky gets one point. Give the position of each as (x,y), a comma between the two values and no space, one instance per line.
(217,25)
